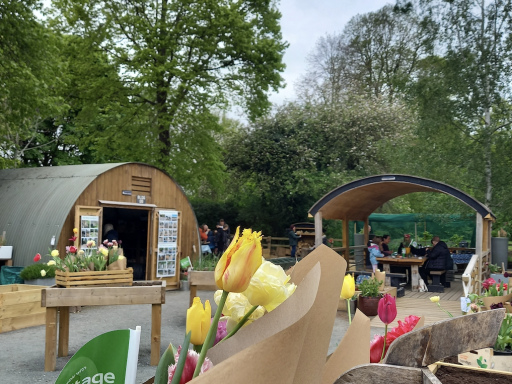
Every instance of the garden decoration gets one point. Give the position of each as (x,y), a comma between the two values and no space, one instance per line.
(348,290)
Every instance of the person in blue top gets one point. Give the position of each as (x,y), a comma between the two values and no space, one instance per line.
(211,239)
(293,237)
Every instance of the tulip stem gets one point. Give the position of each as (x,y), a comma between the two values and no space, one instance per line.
(349,314)
(180,364)
(449,314)
(212,332)
(384,347)
(240,323)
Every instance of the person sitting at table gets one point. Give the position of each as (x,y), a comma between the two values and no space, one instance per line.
(375,252)
(203,232)
(385,248)
(405,243)
(436,260)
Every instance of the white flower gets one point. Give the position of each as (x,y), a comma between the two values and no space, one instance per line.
(43,272)
(51,262)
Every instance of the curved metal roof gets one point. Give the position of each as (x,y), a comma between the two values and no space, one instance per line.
(358,199)
(34,203)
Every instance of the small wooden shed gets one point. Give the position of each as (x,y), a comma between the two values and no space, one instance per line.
(147,208)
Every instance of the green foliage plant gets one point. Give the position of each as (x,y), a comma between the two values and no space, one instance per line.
(33,272)
(494,268)
(504,339)
(370,287)
(207,263)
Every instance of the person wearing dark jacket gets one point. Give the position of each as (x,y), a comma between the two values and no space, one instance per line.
(436,260)
(293,237)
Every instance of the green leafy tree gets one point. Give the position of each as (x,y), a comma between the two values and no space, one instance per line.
(178,61)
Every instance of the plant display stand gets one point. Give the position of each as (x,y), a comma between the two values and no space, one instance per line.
(20,307)
(205,280)
(58,300)
(94,278)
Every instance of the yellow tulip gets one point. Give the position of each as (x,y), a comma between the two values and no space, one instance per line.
(239,262)
(104,251)
(236,307)
(198,320)
(54,253)
(348,288)
(435,299)
(269,286)
(75,230)
(51,262)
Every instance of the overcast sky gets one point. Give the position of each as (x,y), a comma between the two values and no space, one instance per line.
(303,22)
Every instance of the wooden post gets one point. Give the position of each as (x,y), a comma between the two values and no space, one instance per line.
(479,250)
(156,327)
(346,240)
(50,358)
(318,228)
(193,292)
(63,331)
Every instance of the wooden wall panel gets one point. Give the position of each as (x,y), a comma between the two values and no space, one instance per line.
(164,193)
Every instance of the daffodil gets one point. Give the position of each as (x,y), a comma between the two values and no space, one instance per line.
(198,320)
(239,262)
(54,253)
(269,286)
(435,299)
(51,262)
(43,273)
(348,288)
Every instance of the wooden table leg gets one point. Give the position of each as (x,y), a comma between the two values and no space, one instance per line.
(156,327)
(193,293)
(387,269)
(415,278)
(63,332)
(50,359)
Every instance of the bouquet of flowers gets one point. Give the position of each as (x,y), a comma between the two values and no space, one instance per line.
(249,287)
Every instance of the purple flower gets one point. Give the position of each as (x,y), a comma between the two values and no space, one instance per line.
(497,306)
(505,274)
(222,332)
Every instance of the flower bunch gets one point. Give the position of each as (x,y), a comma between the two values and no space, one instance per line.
(249,286)
(380,344)
(113,250)
(493,288)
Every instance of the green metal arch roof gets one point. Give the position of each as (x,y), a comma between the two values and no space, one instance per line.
(34,203)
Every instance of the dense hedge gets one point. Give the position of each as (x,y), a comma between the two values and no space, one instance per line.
(33,272)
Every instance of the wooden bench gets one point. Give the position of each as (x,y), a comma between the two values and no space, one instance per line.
(436,285)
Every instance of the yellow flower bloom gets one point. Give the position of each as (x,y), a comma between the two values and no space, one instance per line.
(54,253)
(104,251)
(114,247)
(236,307)
(239,262)
(51,262)
(75,230)
(81,252)
(120,257)
(43,273)
(198,320)
(348,288)
(435,299)
(269,286)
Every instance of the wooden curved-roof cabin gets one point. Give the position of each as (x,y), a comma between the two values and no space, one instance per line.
(41,206)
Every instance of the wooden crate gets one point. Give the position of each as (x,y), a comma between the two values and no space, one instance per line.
(94,278)
(20,307)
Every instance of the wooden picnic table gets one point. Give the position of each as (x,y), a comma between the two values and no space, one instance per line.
(58,300)
(412,262)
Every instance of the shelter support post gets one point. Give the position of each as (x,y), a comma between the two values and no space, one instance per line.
(366,230)
(318,229)
(346,240)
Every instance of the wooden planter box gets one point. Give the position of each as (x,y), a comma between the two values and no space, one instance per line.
(94,278)
(20,307)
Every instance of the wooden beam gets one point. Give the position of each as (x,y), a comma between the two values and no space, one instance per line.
(63,332)
(50,359)
(318,229)
(156,326)
(346,240)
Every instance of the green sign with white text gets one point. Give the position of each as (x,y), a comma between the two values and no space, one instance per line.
(110,358)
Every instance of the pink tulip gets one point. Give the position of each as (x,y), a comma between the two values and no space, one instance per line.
(222,331)
(387,309)
(190,366)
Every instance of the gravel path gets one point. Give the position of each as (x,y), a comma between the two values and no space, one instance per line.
(22,352)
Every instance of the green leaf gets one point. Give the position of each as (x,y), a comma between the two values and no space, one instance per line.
(162,370)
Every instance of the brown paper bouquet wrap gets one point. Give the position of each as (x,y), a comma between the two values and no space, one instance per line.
(118,265)
(490,300)
(289,344)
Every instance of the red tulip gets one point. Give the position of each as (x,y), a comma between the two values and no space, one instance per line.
(73,239)
(72,249)
(376,346)
(37,257)
(387,309)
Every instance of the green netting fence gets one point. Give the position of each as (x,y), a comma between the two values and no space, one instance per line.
(449,228)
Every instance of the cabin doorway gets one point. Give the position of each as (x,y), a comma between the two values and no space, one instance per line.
(132,226)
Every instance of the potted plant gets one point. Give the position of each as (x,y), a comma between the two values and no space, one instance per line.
(184,286)
(504,341)
(369,296)
(5,250)
(497,273)
(39,274)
